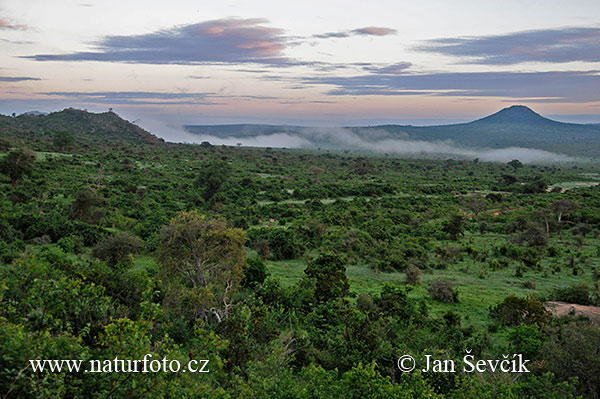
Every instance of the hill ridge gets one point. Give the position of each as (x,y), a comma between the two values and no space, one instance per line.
(89,125)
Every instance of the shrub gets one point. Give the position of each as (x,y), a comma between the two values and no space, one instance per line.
(513,311)
(328,271)
(255,273)
(526,340)
(70,244)
(443,291)
(283,244)
(412,275)
(579,294)
(394,301)
(11,251)
(115,249)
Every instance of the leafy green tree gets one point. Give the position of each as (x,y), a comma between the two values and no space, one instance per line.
(85,200)
(256,273)
(534,235)
(204,260)
(526,340)
(329,274)
(537,185)
(62,139)
(580,294)
(455,226)
(394,301)
(17,163)
(477,205)
(212,176)
(117,247)
(283,244)
(562,207)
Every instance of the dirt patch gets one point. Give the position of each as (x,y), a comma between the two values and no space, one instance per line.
(563,308)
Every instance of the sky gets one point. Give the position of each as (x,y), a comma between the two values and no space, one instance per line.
(313,63)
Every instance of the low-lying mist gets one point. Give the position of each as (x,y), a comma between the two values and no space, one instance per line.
(366,140)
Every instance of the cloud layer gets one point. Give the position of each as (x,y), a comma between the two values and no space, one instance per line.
(134,97)
(222,40)
(16,78)
(547,45)
(366,31)
(574,86)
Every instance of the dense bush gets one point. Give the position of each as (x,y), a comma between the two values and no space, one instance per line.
(513,311)
(580,294)
(443,291)
(117,247)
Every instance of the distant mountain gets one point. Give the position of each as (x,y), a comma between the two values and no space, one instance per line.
(515,126)
(516,115)
(100,127)
(37,113)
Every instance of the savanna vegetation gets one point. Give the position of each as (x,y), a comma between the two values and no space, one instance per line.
(298,274)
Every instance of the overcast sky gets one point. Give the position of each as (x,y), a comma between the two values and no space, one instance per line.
(301,62)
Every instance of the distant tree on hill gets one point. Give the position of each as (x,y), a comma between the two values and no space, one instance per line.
(62,139)
(212,176)
(477,205)
(17,163)
(85,200)
(562,207)
(515,164)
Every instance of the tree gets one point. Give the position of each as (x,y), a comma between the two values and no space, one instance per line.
(212,176)
(443,291)
(204,260)
(534,234)
(116,248)
(513,311)
(412,275)
(316,171)
(515,164)
(454,227)
(17,163)
(262,247)
(329,273)
(85,200)
(562,207)
(477,205)
(4,145)
(255,273)
(576,344)
(62,139)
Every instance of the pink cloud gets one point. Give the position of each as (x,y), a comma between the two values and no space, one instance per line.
(375,31)
(6,24)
